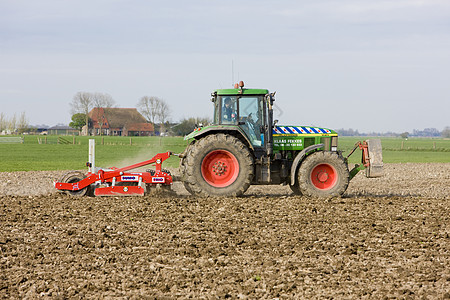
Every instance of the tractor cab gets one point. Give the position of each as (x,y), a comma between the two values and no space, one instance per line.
(248,110)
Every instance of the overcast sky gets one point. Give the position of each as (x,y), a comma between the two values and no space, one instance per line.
(362,64)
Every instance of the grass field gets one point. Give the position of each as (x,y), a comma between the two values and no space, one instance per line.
(398,150)
(122,151)
(109,152)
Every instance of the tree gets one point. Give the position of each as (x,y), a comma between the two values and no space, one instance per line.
(22,124)
(347,132)
(404,135)
(78,121)
(446,132)
(11,125)
(104,101)
(82,103)
(154,109)
(163,114)
(149,107)
(3,121)
(186,126)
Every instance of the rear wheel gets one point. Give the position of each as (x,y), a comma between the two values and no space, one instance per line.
(323,174)
(219,165)
(73,177)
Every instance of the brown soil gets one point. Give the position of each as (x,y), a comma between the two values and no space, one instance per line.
(387,238)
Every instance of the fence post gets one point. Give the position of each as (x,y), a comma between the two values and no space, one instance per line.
(402,145)
(131,143)
(46,140)
(103,141)
(73,142)
(434,145)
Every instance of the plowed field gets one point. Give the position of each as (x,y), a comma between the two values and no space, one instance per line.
(386,238)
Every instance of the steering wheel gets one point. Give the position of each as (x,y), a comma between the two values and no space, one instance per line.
(250,119)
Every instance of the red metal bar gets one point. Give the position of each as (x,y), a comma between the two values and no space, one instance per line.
(365,154)
(158,159)
(76,186)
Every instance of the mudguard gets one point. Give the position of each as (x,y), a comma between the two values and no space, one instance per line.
(300,157)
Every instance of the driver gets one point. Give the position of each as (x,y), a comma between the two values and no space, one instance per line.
(228,112)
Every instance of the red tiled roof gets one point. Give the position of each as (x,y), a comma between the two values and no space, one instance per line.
(140,127)
(118,118)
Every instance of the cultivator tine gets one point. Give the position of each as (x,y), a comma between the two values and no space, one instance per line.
(375,168)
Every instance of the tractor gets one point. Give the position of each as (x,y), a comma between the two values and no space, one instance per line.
(245,146)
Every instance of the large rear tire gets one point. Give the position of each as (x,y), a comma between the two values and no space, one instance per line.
(323,174)
(218,165)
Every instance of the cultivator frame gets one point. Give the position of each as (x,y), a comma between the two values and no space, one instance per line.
(119,182)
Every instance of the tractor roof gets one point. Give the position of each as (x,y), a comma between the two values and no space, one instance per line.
(223,92)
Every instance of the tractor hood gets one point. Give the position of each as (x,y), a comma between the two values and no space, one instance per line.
(203,130)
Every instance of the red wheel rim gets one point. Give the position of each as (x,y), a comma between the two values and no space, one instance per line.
(324,176)
(220,168)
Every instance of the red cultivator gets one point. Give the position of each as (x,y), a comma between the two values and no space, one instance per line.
(117,182)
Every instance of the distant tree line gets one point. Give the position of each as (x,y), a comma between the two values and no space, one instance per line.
(427,132)
(188,125)
(14,124)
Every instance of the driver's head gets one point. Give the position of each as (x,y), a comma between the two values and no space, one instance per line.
(227,101)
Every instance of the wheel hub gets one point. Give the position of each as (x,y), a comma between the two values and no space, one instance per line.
(219,168)
(322,176)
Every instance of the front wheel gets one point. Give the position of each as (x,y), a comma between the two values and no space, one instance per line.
(218,165)
(323,174)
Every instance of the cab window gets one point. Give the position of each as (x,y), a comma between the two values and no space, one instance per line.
(251,115)
(229,110)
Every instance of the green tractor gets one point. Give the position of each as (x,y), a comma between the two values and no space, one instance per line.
(245,146)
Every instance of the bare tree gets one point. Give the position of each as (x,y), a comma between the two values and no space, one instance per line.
(3,121)
(154,109)
(12,123)
(22,124)
(163,114)
(446,132)
(82,103)
(149,108)
(101,100)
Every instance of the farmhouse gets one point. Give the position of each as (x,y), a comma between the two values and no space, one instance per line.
(119,122)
